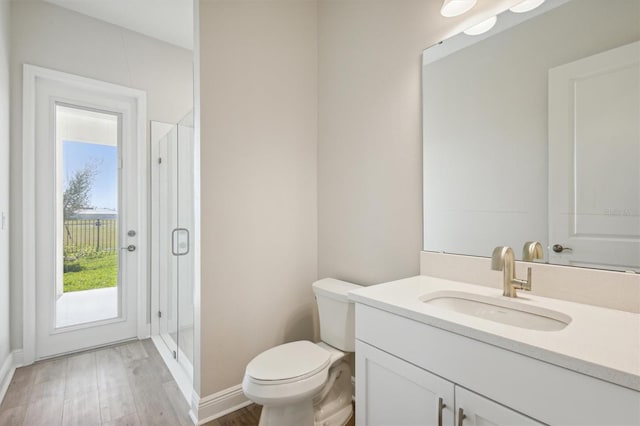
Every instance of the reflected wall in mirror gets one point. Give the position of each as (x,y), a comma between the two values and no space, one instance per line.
(531,132)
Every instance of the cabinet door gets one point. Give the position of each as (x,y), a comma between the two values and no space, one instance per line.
(479,411)
(390,391)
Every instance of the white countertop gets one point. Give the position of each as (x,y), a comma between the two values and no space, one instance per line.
(602,343)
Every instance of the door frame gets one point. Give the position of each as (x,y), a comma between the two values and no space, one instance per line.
(31,74)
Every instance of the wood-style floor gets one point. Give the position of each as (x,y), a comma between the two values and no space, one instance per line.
(249,416)
(127,384)
(123,385)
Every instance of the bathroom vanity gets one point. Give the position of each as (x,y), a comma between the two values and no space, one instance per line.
(440,352)
(514,152)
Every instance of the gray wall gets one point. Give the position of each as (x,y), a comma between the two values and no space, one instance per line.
(258,67)
(4,181)
(49,36)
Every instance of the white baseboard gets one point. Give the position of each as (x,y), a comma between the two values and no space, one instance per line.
(217,405)
(13,361)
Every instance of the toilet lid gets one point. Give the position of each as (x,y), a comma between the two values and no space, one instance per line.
(288,361)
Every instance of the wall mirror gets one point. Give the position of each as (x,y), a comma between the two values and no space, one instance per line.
(532,132)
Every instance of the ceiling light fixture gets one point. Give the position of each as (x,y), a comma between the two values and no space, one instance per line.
(452,8)
(526,6)
(482,27)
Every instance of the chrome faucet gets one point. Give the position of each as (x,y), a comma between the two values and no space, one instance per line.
(503,259)
(532,250)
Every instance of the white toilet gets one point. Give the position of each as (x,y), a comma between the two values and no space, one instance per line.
(304,383)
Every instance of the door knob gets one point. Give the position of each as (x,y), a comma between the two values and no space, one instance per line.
(559,249)
(130,247)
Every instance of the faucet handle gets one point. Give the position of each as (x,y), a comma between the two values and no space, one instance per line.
(527,285)
(523,284)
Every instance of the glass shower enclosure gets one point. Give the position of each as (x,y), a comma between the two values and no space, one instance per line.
(172,306)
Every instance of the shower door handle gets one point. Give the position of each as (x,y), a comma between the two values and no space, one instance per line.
(182,247)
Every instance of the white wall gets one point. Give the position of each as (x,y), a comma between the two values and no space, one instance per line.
(370,132)
(49,36)
(258,170)
(4,182)
(269,70)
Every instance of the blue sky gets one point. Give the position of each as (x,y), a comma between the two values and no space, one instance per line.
(105,186)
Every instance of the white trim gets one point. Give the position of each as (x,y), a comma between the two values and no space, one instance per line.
(197,329)
(28,214)
(6,374)
(181,377)
(30,75)
(13,361)
(147,330)
(18,358)
(217,405)
(144,323)
(193,412)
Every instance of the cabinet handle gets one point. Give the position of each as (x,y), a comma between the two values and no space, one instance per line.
(461,416)
(441,405)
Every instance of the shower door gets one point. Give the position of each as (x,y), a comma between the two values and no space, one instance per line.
(172,147)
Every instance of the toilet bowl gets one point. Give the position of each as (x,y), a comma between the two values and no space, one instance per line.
(304,383)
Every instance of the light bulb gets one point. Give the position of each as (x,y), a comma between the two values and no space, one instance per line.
(452,8)
(526,6)
(482,27)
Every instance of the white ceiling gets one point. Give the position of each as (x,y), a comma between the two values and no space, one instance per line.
(167,20)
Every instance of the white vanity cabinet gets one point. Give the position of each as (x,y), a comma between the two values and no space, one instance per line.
(394,392)
(405,368)
(391,391)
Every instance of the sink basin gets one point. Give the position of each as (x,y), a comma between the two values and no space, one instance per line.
(498,309)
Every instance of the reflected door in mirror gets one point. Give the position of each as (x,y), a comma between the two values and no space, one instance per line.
(594,157)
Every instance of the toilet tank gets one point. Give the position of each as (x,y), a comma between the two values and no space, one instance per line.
(336,312)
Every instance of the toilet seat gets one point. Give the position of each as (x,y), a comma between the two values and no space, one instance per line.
(287,363)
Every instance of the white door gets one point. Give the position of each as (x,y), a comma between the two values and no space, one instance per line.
(391,391)
(474,410)
(88,224)
(594,161)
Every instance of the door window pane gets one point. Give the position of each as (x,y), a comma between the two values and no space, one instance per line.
(87,287)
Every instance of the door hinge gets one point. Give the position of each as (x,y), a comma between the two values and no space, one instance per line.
(175,355)
(159,314)
(159,160)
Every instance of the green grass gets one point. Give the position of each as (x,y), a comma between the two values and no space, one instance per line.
(88,264)
(91,272)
